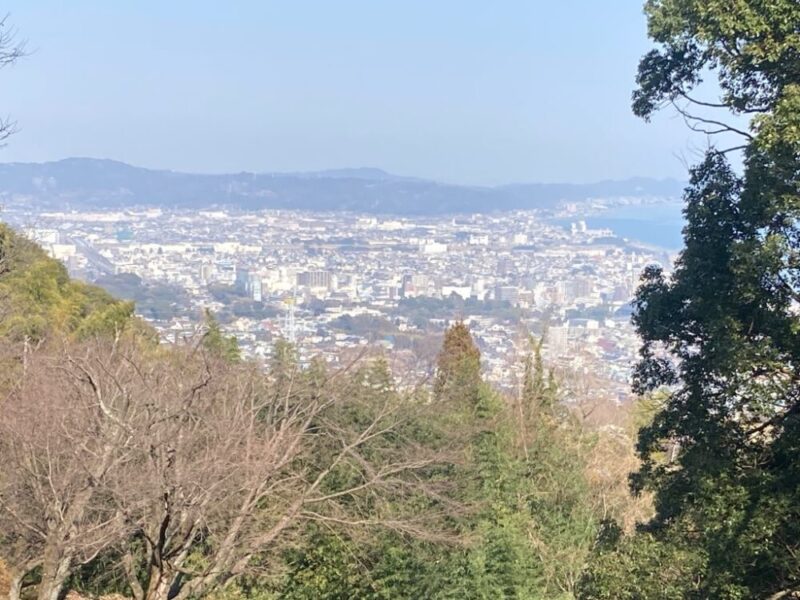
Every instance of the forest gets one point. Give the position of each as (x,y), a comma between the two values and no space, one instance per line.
(146,471)
(184,471)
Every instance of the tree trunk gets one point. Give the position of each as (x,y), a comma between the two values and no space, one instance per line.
(55,570)
(130,573)
(15,586)
(160,584)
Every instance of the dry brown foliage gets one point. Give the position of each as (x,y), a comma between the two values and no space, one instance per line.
(202,465)
(5,579)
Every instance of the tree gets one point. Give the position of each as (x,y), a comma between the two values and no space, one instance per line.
(458,367)
(11,50)
(750,45)
(38,300)
(215,342)
(189,470)
(563,513)
(54,471)
(720,334)
(642,567)
(533,520)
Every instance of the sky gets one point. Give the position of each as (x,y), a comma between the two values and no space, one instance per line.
(463,91)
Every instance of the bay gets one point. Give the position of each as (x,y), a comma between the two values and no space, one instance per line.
(657,225)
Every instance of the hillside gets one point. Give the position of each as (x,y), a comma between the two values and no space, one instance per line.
(81,183)
(38,298)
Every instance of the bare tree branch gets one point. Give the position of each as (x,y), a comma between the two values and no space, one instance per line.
(11,50)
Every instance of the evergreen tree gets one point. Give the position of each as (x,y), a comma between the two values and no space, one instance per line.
(537,391)
(39,300)
(217,343)
(721,334)
(284,368)
(534,522)
(458,368)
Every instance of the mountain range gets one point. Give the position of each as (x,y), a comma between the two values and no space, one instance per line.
(89,183)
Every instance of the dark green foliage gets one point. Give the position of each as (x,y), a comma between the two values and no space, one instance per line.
(721,335)
(533,523)
(643,567)
(751,45)
(154,301)
(218,344)
(458,369)
(327,568)
(368,326)
(226,294)
(387,566)
(527,522)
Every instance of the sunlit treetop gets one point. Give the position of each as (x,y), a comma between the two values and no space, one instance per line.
(751,46)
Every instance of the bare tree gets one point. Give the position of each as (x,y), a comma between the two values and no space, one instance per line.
(11,50)
(193,468)
(60,437)
(230,470)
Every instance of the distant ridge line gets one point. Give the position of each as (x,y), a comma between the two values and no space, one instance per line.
(83,183)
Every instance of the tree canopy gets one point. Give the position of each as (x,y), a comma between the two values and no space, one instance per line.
(721,332)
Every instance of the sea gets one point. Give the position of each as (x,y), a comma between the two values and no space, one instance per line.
(657,225)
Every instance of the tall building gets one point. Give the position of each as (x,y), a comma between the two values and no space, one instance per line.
(414,285)
(256,287)
(206,273)
(505,266)
(315,279)
(226,271)
(580,287)
(557,340)
(507,293)
(242,282)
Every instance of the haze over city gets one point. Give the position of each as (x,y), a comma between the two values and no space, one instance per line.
(366,300)
(463,92)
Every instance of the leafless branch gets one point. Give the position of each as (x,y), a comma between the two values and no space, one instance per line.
(11,50)
(696,123)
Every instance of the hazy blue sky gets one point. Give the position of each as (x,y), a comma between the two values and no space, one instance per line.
(459,90)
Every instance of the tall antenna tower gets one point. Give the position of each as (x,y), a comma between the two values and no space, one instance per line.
(290,325)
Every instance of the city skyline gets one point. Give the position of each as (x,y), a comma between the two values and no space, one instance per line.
(336,283)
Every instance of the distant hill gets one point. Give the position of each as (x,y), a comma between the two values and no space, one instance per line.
(81,183)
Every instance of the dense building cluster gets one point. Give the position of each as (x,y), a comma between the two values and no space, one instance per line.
(335,283)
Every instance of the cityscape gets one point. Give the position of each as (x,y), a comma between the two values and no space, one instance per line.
(338,285)
(387,301)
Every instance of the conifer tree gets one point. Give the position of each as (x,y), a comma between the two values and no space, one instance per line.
(217,343)
(458,368)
